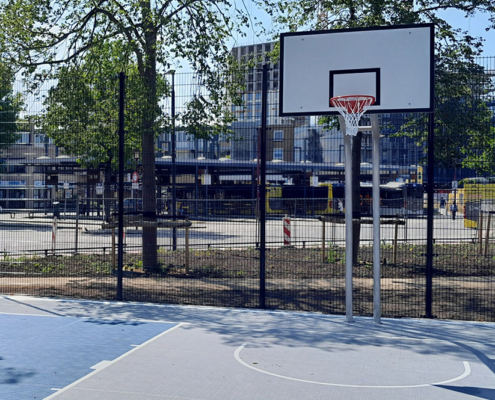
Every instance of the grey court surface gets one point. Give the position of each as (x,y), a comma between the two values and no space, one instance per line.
(58,349)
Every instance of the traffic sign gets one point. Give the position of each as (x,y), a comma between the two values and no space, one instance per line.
(135,177)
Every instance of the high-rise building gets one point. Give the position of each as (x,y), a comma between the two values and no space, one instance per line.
(253,57)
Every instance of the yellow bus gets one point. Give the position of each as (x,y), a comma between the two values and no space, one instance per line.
(396,198)
(479,195)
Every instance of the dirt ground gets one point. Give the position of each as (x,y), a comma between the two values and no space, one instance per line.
(296,279)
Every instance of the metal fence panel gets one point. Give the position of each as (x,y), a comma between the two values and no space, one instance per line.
(203,226)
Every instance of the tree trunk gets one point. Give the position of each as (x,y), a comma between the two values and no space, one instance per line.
(356,196)
(150,251)
(149,113)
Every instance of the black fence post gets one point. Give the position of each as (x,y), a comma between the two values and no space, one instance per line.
(120,249)
(174,165)
(429,221)
(262,189)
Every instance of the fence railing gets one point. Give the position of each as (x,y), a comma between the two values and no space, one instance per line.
(223,263)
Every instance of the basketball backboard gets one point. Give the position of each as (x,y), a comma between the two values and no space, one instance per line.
(395,64)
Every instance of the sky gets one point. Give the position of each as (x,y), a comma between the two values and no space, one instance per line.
(475,26)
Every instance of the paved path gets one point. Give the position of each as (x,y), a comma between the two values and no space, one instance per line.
(24,234)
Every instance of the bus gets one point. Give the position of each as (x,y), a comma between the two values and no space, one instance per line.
(479,196)
(403,199)
(396,198)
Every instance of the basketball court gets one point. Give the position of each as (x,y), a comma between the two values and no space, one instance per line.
(58,349)
(61,349)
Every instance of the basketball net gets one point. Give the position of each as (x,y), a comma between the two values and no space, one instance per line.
(352,109)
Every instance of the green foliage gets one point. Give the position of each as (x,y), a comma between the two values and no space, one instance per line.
(332,256)
(139,37)
(11,104)
(463,133)
(81,110)
(155,36)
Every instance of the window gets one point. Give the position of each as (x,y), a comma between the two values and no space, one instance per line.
(23,138)
(17,169)
(278,136)
(40,140)
(278,153)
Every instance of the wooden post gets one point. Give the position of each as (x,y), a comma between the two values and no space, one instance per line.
(113,248)
(480,233)
(187,249)
(323,241)
(396,235)
(487,237)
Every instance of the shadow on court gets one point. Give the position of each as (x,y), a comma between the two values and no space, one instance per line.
(292,354)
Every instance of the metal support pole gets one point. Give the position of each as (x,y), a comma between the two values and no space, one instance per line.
(375,129)
(174,169)
(348,223)
(187,248)
(480,232)
(429,221)
(487,237)
(120,250)
(323,241)
(262,186)
(77,226)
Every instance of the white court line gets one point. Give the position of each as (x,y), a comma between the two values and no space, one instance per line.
(31,315)
(95,318)
(112,362)
(467,371)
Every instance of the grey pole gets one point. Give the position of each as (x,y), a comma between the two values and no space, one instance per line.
(348,222)
(375,129)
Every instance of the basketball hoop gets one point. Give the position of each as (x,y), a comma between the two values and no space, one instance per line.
(352,109)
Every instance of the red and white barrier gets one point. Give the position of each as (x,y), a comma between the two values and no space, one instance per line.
(54,234)
(286,221)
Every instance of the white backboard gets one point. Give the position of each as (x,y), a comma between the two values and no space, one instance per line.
(395,64)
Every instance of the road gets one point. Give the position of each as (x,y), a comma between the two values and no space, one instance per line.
(23,234)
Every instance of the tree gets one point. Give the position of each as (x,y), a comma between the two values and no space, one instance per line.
(464,135)
(336,14)
(157,34)
(11,105)
(81,110)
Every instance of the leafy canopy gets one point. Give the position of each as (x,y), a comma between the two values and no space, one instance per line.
(11,104)
(463,133)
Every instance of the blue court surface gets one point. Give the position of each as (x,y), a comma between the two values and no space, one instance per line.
(42,353)
(88,350)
